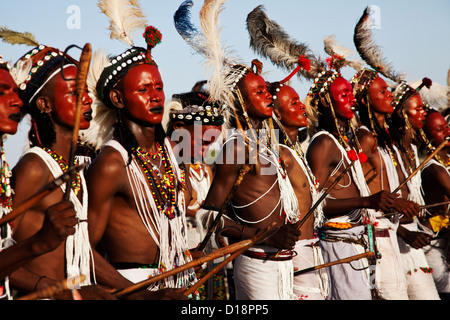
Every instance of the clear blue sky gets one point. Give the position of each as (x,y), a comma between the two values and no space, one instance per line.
(414,35)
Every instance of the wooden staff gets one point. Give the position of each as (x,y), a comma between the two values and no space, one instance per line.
(83,69)
(434,205)
(323,196)
(67,284)
(368,254)
(421,207)
(431,156)
(269,231)
(213,255)
(45,191)
(300,223)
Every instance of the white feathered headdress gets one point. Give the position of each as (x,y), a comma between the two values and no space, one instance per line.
(125,17)
(224,67)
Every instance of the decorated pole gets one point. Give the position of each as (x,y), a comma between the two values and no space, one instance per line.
(83,69)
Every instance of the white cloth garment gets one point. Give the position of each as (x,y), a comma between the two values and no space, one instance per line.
(168,234)
(79,254)
(257,279)
(348,281)
(312,285)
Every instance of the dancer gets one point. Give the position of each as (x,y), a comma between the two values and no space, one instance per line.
(138,191)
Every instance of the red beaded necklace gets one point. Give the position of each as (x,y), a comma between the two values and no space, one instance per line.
(161,185)
(64,165)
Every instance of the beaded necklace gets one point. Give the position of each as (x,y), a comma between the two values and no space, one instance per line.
(6,191)
(161,185)
(64,165)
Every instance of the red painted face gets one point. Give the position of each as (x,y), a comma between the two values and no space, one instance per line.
(10,103)
(415,111)
(65,100)
(341,94)
(437,128)
(257,99)
(292,111)
(143,94)
(380,97)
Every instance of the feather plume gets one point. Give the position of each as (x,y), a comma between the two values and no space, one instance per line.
(186,29)
(270,40)
(435,96)
(218,59)
(369,51)
(125,16)
(332,47)
(14,37)
(103,118)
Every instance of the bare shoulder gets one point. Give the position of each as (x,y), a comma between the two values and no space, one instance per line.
(108,163)
(321,146)
(30,171)
(367,140)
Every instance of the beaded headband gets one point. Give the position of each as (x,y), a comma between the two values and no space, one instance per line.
(362,81)
(196,108)
(321,85)
(118,68)
(122,63)
(404,91)
(43,59)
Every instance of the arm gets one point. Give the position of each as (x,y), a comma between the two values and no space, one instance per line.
(58,224)
(323,157)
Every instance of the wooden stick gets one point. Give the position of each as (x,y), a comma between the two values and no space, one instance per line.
(213,255)
(300,223)
(83,69)
(49,292)
(269,231)
(45,191)
(421,208)
(430,156)
(434,205)
(368,254)
(324,194)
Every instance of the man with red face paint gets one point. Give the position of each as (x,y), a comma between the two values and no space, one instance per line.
(138,192)
(406,125)
(60,218)
(382,172)
(264,195)
(195,124)
(48,95)
(291,115)
(349,207)
(436,189)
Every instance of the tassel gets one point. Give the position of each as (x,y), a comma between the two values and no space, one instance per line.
(362,157)
(352,155)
